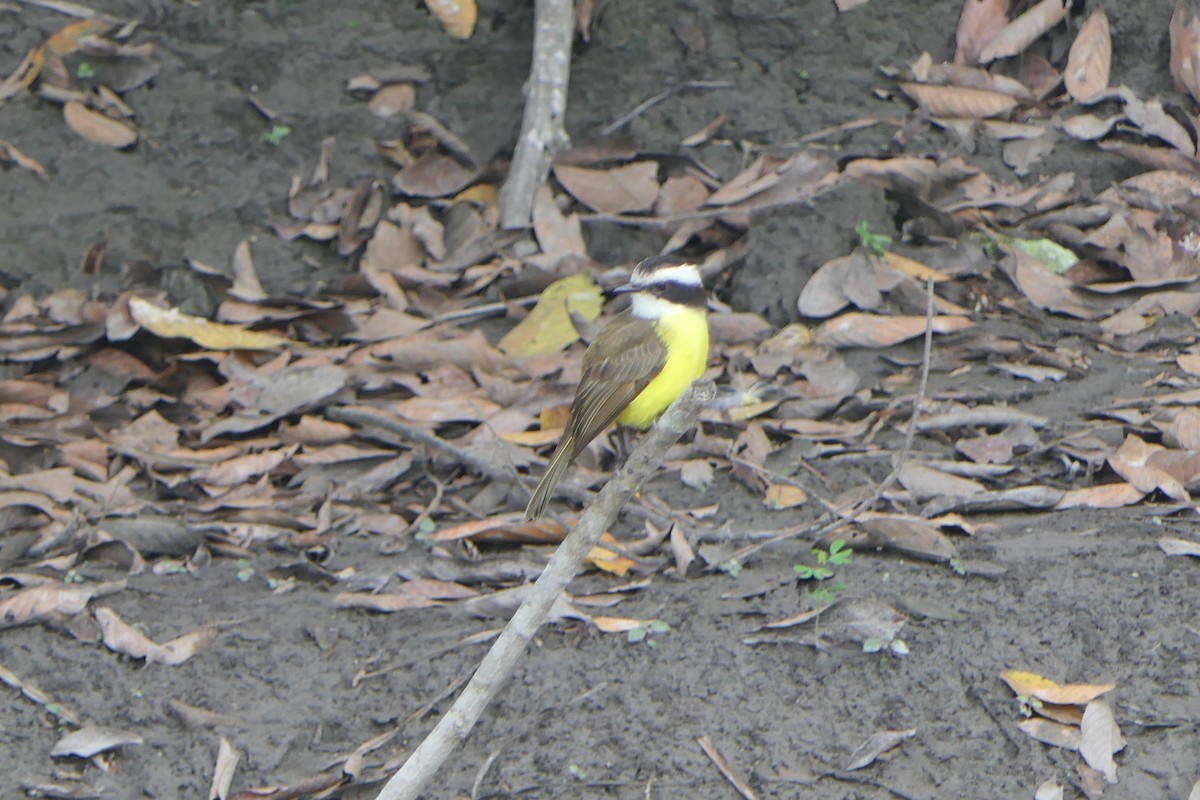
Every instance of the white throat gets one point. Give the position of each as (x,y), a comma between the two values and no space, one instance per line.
(647,306)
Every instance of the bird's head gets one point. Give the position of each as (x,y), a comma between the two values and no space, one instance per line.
(665,284)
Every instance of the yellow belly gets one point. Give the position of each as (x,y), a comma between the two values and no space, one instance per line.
(685,333)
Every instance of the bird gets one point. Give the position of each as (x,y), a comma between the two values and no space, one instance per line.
(638,364)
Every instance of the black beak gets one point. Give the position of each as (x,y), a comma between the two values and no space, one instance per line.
(624,288)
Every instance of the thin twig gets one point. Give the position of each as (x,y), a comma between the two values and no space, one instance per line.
(497,666)
(646,105)
(710,749)
(543,132)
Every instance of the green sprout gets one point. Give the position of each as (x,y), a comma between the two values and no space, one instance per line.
(276,135)
(644,629)
(732,567)
(885,644)
(85,71)
(1028,703)
(958,567)
(823,593)
(245,570)
(874,243)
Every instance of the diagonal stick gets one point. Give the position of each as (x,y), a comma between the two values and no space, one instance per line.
(497,666)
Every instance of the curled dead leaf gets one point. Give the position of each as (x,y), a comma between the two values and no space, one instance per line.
(958,101)
(857,329)
(99,128)
(1017,35)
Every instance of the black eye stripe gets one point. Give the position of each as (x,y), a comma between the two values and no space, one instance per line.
(687,294)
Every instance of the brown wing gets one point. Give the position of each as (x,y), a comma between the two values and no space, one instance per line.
(620,362)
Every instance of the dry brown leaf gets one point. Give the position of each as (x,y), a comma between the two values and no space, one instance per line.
(99,128)
(173,323)
(869,751)
(382,602)
(11,155)
(978,24)
(957,101)
(92,740)
(630,187)
(557,234)
(49,602)
(1052,733)
(246,285)
(1017,35)
(1179,547)
(1049,291)
(1154,120)
(457,16)
(120,637)
(393,99)
(24,75)
(1108,495)
(1030,684)
(857,329)
(782,496)
(66,39)
(1101,737)
(1086,75)
(242,468)
(434,175)
(1185,50)
(908,536)
(1132,462)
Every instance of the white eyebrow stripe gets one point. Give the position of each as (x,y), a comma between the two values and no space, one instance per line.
(684,273)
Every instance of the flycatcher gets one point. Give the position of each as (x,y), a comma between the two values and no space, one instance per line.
(638,364)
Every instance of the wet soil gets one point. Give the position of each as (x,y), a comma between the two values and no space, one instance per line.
(1078,595)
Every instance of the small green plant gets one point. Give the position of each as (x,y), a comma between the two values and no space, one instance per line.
(638,634)
(1028,703)
(874,243)
(958,567)
(886,644)
(245,570)
(276,135)
(823,592)
(732,567)
(72,576)
(85,71)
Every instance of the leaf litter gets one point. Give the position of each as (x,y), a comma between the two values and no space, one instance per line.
(230,411)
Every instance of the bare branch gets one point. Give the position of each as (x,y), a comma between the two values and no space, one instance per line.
(543,132)
(498,664)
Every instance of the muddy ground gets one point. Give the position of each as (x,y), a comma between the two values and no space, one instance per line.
(1078,595)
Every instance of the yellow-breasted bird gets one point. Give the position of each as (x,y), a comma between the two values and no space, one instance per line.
(638,364)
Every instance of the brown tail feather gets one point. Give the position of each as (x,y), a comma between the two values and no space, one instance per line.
(545,488)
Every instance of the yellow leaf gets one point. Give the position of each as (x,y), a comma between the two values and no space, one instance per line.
(549,327)
(1029,684)
(608,560)
(914,268)
(171,323)
(781,495)
(457,16)
(483,194)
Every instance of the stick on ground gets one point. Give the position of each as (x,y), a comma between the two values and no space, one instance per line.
(498,664)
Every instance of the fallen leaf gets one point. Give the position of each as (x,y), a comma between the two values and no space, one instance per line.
(11,155)
(549,327)
(1086,75)
(630,187)
(1184,30)
(434,175)
(879,743)
(959,101)
(782,496)
(457,16)
(857,329)
(1101,738)
(99,128)
(1132,462)
(557,234)
(1017,35)
(121,637)
(1030,684)
(978,24)
(173,323)
(1052,733)
(1179,547)
(37,603)
(92,740)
